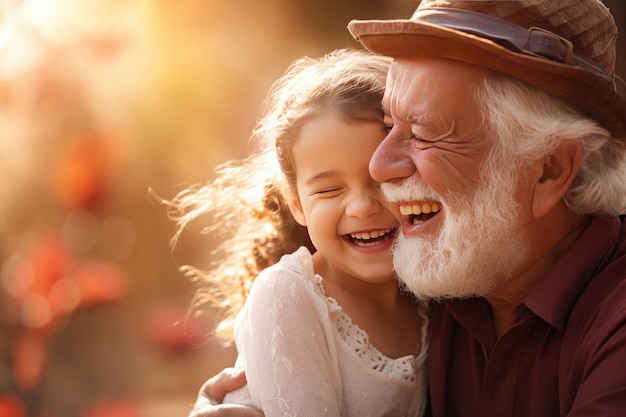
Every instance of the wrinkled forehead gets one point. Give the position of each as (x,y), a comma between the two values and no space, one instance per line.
(432,89)
(434,96)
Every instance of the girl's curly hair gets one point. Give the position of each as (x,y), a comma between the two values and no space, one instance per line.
(248,198)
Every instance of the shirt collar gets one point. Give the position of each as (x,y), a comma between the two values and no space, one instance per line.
(553,298)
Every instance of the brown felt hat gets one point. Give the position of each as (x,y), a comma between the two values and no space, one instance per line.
(565,47)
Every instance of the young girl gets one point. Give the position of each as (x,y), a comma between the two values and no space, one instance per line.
(324,330)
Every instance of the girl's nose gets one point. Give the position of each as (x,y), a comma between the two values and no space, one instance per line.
(365,203)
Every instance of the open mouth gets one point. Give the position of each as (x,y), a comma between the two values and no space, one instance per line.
(372,238)
(419,213)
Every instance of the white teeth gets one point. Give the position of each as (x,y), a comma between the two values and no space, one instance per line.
(370,235)
(415,209)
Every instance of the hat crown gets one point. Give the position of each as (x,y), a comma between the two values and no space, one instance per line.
(564,47)
(587,24)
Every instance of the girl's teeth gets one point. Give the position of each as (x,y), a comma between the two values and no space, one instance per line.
(370,235)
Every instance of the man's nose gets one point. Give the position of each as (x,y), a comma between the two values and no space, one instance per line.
(391,160)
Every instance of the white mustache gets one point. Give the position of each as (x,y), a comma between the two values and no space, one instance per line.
(410,189)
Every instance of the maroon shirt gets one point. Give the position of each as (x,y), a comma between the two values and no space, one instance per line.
(564,354)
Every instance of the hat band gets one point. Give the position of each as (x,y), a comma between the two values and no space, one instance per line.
(536,42)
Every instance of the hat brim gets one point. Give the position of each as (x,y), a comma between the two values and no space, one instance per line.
(576,86)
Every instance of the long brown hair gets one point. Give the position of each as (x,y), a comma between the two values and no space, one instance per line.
(248,198)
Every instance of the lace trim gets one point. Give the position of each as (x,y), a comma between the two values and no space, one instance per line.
(358,340)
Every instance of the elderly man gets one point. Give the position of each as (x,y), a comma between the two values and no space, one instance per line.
(505,114)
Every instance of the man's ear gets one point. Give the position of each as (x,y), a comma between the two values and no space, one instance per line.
(555,175)
(296,211)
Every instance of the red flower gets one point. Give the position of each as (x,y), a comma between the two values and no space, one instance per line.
(46,284)
(11,406)
(172,330)
(82,169)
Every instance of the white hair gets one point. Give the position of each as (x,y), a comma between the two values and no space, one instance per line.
(530,123)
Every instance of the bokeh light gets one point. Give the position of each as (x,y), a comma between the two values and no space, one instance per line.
(102,101)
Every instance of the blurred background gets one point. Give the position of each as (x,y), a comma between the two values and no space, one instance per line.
(100,102)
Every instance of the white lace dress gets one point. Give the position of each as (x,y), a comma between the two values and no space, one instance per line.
(303,356)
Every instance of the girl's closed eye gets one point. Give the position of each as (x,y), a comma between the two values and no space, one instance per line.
(328,191)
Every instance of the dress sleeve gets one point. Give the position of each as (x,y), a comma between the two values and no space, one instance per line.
(285,341)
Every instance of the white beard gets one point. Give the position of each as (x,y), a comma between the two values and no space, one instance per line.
(479,246)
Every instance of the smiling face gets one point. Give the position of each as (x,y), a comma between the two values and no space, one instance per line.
(462,228)
(347,217)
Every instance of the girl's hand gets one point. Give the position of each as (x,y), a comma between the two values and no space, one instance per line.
(211,395)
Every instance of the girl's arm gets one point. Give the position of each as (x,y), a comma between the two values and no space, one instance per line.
(286,344)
